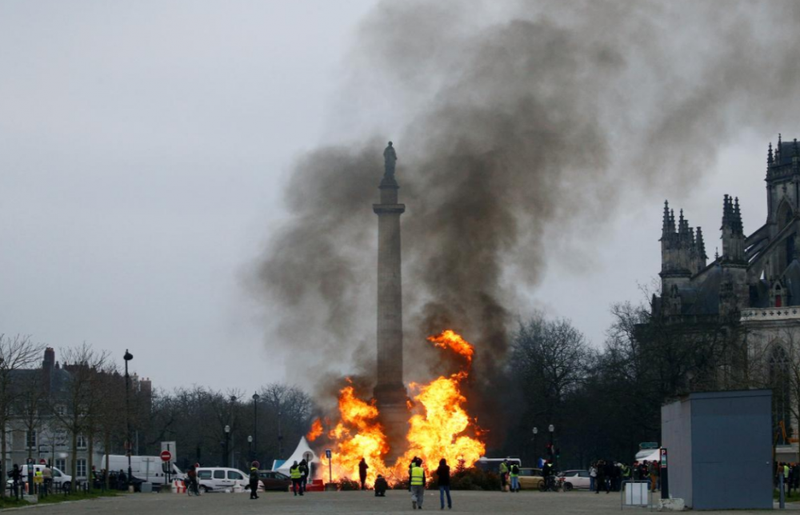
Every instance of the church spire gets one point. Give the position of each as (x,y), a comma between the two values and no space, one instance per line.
(778,152)
(701,245)
(737,219)
(665,221)
(726,217)
(769,155)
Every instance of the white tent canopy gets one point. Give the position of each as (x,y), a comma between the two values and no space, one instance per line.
(655,456)
(302,452)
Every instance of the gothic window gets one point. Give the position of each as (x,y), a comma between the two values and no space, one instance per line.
(785,214)
(781,393)
(778,296)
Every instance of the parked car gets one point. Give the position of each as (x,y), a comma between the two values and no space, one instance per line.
(273,480)
(218,479)
(575,479)
(60,480)
(530,478)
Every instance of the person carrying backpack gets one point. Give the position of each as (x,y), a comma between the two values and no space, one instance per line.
(514,474)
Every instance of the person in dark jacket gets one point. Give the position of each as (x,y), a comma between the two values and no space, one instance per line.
(254,480)
(16,476)
(303,475)
(602,478)
(443,473)
(362,473)
(380,486)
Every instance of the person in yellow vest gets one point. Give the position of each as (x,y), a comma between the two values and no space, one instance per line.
(295,474)
(503,475)
(38,481)
(417,481)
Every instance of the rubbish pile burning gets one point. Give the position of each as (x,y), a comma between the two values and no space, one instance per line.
(439,425)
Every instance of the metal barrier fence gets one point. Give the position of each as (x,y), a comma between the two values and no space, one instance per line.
(635,493)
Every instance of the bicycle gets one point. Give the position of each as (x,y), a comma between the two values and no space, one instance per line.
(551,484)
(192,488)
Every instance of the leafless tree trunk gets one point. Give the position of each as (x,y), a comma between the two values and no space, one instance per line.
(16,353)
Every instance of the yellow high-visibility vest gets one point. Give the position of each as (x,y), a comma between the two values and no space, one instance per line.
(295,472)
(416,476)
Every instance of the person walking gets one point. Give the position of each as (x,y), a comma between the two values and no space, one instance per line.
(303,475)
(503,475)
(653,475)
(513,473)
(254,480)
(16,475)
(294,474)
(47,474)
(592,476)
(417,481)
(411,466)
(362,473)
(443,475)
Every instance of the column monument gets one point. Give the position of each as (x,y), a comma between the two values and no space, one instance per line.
(390,392)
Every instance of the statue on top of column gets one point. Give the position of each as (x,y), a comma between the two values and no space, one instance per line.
(389,157)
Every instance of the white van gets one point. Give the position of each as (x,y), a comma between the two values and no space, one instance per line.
(147,468)
(219,479)
(59,478)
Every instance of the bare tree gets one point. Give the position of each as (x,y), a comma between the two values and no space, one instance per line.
(78,404)
(16,353)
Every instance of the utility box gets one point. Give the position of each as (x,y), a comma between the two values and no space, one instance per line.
(720,449)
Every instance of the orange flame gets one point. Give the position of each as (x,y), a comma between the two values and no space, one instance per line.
(449,339)
(439,426)
(316,430)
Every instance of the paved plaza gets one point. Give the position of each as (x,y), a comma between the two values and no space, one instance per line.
(345,502)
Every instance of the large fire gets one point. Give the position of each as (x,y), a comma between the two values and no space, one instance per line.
(439,426)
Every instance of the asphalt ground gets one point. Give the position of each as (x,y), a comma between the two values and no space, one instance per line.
(579,502)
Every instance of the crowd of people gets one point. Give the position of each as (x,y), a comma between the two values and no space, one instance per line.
(791,476)
(608,475)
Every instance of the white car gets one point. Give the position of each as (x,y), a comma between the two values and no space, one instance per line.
(219,479)
(59,478)
(576,479)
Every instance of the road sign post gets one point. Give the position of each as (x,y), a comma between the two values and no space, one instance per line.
(330,465)
(664,475)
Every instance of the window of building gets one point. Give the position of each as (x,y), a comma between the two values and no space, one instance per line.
(30,440)
(81,468)
(61,464)
(82,444)
(781,394)
(61,410)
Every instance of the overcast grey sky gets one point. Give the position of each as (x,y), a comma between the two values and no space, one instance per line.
(144,147)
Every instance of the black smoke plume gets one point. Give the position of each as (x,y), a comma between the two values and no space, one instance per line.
(521,130)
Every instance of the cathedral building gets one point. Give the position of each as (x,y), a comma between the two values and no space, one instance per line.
(752,289)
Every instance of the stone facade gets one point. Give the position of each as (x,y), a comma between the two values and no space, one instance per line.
(753,287)
(49,441)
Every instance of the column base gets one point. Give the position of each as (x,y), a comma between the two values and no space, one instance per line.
(392,402)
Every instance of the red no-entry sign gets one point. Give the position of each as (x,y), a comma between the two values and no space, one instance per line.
(166,455)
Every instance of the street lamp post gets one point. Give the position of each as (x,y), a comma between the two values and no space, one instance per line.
(535,457)
(255,424)
(127,357)
(227,445)
(552,430)
(250,446)
(280,435)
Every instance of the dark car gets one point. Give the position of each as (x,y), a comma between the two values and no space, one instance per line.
(272,480)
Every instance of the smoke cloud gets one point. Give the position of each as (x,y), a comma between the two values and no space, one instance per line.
(520,133)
